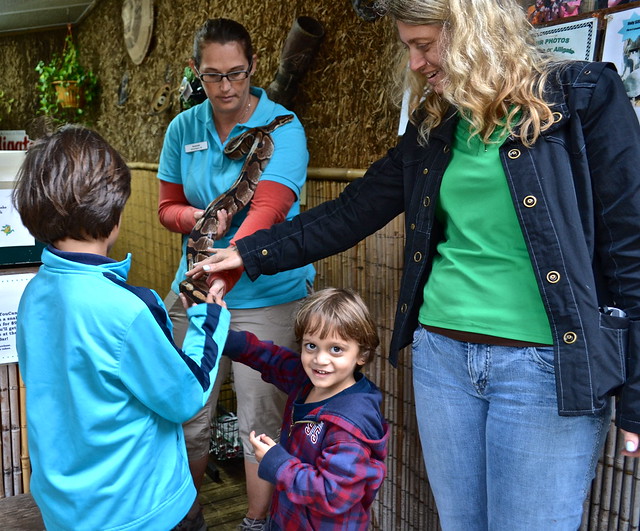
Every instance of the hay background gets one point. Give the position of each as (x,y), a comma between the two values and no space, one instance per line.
(342,100)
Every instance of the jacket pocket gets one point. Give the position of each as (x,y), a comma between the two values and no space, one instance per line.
(610,361)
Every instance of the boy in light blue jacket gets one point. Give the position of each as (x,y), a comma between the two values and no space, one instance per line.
(107,388)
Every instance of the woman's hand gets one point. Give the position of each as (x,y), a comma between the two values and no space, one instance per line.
(220,260)
(261,444)
(631,444)
(224,220)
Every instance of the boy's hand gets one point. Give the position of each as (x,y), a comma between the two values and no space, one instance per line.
(217,298)
(217,289)
(211,298)
(261,444)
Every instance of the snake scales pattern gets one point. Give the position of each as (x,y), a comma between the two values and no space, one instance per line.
(256,145)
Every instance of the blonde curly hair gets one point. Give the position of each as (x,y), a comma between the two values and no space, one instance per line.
(495,74)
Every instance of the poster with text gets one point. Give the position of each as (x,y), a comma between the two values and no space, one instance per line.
(569,40)
(11,288)
(621,46)
(12,232)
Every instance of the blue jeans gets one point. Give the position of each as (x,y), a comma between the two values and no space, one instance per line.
(498,455)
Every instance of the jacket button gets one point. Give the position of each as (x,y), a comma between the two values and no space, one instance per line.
(412,226)
(553,277)
(446,149)
(426,201)
(557,116)
(530,201)
(513,153)
(265,252)
(425,171)
(570,337)
(403,308)
(417,257)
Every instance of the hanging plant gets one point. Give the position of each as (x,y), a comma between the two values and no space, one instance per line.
(64,84)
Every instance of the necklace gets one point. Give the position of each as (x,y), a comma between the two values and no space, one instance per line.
(244,114)
(224,129)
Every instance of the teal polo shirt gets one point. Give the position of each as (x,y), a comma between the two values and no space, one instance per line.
(192,155)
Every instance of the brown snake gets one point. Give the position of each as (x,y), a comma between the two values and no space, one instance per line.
(256,145)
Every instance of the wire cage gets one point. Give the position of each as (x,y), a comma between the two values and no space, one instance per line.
(225,436)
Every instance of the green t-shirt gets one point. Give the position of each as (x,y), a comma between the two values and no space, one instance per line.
(482,280)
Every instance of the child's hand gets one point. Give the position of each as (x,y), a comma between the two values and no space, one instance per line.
(217,298)
(188,304)
(261,444)
(217,289)
(211,298)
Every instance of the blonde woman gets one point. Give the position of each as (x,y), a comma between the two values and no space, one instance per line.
(520,293)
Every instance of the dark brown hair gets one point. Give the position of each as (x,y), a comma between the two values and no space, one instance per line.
(72,184)
(221,31)
(341,312)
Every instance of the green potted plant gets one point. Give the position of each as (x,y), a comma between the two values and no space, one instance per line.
(64,84)
(6,104)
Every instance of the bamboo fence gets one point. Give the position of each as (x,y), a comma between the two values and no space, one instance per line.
(373,268)
(12,431)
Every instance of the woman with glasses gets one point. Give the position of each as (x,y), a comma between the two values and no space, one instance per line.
(193,172)
(518,179)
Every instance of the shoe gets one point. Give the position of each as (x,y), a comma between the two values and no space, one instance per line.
(196,523)
(251,524)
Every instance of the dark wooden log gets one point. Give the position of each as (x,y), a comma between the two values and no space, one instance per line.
(20,513)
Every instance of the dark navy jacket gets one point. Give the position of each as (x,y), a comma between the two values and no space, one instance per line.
(577,196)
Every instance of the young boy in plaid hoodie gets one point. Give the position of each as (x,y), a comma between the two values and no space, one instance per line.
(329,463)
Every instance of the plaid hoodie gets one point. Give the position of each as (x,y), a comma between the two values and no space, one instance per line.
(329,465)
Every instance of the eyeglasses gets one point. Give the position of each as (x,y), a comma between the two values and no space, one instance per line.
(215,77)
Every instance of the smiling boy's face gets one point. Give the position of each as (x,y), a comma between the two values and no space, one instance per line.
(330,363)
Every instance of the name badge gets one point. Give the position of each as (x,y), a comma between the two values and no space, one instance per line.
(198,146)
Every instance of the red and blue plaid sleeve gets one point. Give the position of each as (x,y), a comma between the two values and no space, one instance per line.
(277,365)
(339,485)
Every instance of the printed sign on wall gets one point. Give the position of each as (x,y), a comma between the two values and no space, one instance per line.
(11,288)
(570,40)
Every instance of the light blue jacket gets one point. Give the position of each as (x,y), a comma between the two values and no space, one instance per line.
(107,391)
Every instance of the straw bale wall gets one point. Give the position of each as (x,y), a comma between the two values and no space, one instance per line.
(342,100)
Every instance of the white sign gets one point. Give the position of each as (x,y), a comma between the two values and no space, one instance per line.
(12,232)
(11,289)
(570,40)
(14,140)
